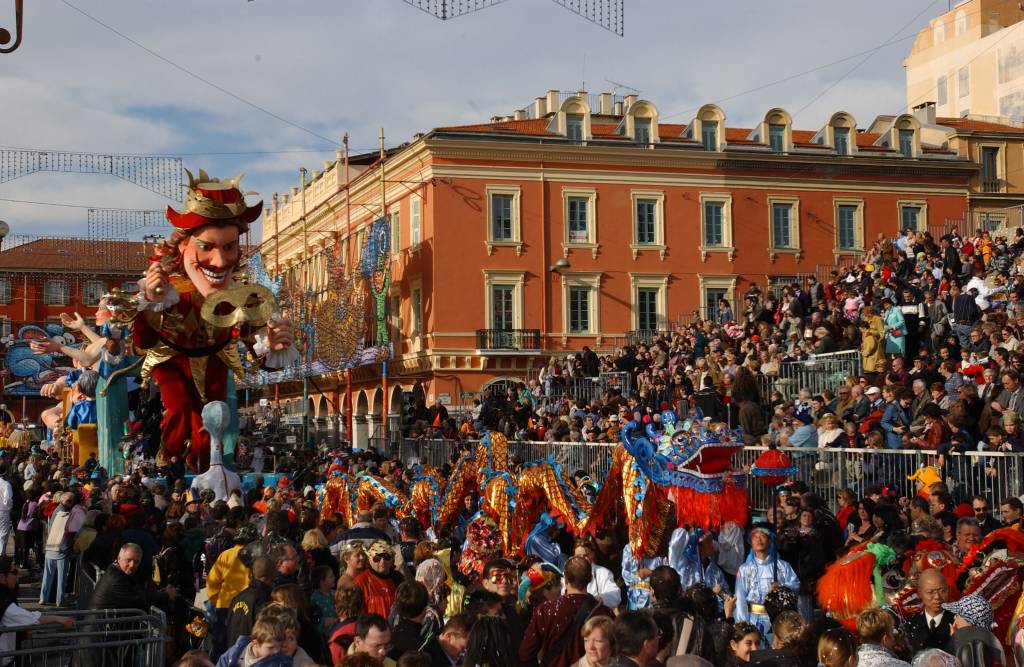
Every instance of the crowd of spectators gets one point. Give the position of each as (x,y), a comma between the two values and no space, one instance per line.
(938,326)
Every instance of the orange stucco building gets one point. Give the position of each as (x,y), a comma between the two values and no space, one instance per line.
(584,218)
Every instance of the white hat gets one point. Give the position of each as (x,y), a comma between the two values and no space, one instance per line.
(873,390)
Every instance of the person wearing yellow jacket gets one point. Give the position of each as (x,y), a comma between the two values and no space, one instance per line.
(228,577)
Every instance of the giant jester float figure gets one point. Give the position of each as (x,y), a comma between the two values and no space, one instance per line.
(196,318)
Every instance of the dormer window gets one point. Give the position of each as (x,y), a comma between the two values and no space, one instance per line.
(841,134)
(777,138)
(572,120)
(709,135)
(841,140)
(904,135)
(640,123)
(643,131)
(906,143)
(707,127)
(775,131)
(574,127)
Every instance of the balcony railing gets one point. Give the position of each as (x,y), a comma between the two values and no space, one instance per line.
(992,186)
(508,339)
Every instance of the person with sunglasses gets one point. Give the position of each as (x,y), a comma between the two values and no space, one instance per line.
(380,581)
(979,505)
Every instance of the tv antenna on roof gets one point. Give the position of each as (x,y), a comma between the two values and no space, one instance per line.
(635,91)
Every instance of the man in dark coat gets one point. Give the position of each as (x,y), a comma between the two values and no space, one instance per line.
(689,633)
(408,634)
(590,363)
(120,588)
(244,607)
(554,628)
(930,628)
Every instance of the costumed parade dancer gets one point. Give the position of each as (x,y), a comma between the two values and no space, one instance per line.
(762,572)
(193,314)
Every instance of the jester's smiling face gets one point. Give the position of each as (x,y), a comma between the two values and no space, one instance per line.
(209,256)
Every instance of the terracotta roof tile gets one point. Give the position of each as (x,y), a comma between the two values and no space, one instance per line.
(534,127)
(978,125)
(76,255)
(672,132)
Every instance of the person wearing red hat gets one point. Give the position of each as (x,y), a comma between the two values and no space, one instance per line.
(189,351)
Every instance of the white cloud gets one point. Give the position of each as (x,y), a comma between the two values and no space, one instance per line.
(337,65)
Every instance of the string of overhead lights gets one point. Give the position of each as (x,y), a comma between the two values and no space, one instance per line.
(159,174)
(116,223)
(609,14)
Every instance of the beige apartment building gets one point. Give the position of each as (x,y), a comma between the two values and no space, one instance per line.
(970,60)
(965,76)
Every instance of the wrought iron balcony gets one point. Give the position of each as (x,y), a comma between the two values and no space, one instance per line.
(508,339)
(992,186)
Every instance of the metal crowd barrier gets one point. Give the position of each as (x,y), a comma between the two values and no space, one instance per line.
(993,475)
(100,638)
(88,575)
(592,458)
(820,372)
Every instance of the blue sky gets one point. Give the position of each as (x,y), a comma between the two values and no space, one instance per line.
(333,66)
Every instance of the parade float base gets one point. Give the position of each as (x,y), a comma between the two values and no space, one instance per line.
(248,479)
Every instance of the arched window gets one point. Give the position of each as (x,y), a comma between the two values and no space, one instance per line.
(641,123)
(960,23)
(841,133)
(777,131)
(906,135)
(708,127)
(573,119)
(938,32)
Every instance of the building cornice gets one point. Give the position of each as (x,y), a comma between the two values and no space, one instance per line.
(461,148)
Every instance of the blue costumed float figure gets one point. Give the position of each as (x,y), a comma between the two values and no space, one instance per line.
(671,473)
(761,573)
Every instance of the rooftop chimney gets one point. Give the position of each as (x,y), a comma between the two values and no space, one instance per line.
(553,101)
(520,114)
(925,113)
(540,107)
(606,103)
(618,108)
(629,101)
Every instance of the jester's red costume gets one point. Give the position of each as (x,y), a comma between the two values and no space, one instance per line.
(193,372)
(187,356)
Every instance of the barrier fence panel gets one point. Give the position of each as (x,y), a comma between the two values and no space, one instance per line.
(994,475)
(820,372)
(88,575)
(100,638)
(621,381)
